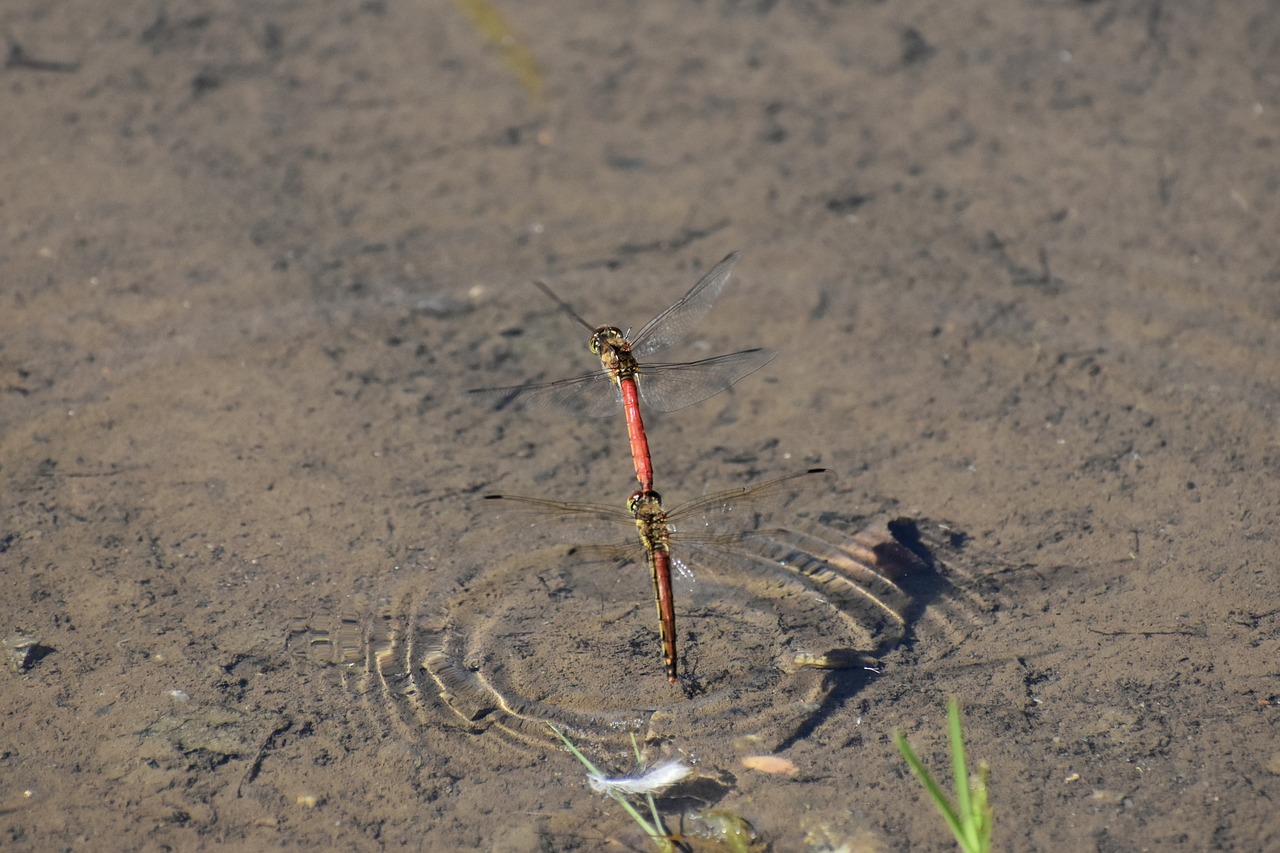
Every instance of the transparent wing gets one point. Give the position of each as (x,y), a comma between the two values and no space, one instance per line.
(668,387)
(675,324)
(700,564)
(564,307)
(597,533)
(726,534)
(558,511)
(595,395)
(727,517)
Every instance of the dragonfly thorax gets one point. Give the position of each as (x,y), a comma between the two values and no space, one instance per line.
(645,507)
(651,521)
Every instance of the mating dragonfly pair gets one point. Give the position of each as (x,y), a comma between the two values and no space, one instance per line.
(626,377)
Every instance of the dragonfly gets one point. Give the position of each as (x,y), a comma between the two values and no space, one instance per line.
(677,538)
(626,375)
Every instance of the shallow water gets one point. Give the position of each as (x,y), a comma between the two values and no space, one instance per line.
(1018,262)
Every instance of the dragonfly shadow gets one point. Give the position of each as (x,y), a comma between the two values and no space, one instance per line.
(911,574)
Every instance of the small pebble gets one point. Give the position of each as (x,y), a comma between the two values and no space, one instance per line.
(771,764)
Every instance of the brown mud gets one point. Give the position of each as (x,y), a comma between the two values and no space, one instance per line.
(1019,260)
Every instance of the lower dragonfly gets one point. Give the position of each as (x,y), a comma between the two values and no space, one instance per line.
(688,529)
(627,375)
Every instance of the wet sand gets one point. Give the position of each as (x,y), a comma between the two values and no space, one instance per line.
(1020,265)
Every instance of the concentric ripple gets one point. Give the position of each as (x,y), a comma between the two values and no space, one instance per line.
(547,638)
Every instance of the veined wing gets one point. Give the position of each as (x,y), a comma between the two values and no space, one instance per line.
(580,525)
(668,387)
(705,520)
(594,395)
(674,324)
(720,518)
(714,525)
(720,533)
(562,510)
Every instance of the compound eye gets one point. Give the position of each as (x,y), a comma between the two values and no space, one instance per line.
(600,340)
(647,503)
(607,337)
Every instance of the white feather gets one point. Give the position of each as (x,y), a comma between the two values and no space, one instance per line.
(642,781)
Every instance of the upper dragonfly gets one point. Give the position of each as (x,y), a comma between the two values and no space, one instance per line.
(665,387)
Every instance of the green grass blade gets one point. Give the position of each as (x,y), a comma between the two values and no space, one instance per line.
(960,770)
(586,762)
(971,818)
(653,806)
(931,787)
(658,832)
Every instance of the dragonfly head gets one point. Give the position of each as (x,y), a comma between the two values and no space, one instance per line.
(607,337)
(645,503)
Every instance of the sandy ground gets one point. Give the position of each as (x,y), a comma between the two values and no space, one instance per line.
(1019,261)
